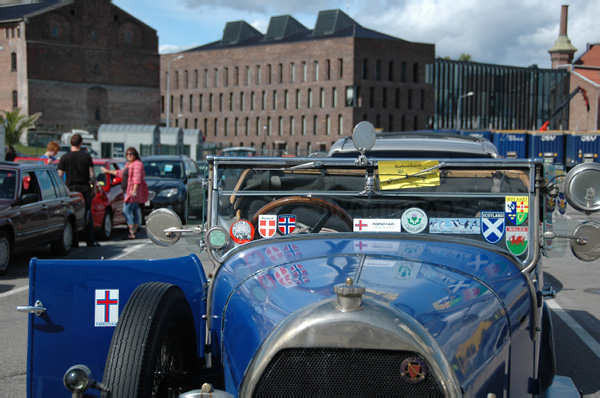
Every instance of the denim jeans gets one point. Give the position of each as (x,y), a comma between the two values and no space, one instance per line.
(132,214)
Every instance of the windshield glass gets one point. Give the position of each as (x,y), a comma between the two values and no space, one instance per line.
(163,168)
(8,184)
(477,200)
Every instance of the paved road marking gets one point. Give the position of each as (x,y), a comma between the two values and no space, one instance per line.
(13,291)
(576,327)
(128,250)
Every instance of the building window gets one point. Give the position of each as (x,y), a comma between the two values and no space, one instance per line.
(205,83)
(303,125)
(378,70)
(216,77)
(247,75)
(247,126)
(384,98)
(291,125)
(274,99)
(200,102)
(309,98)
(221,102)
(422,100)
(191,103)
(409,99)
(286,99)
(304,71)
(280,126)
(15,99)
(298,98)
(416,122)
(416,72)
(403,71)
(230,102)
(350,96)
(340,125)
(171,104)
(127,38)
(13,61)
(97,114)
(54,31)
(236,127)
(327,125)
(292,72)
(269,74)
(258,79)
(372,97)
(216,126)
(257,126)
(195,78)
(280,73)
(315,125)
(242,101)
(94,35)
(340,68)
(226,71)
(391,71)
(316,71)
(236,76)
(334,97)
(225,125)
(328,71)
(264,100)
(322,98)
(391,123)
(176,83)
(181,104)
(252,100)
(397,98)
(210,102)
(185,79)
(365,69)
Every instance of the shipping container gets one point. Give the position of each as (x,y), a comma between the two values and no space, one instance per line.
(581,147)
(511,143)
(549,145)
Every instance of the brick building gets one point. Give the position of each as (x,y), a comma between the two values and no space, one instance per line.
(80,63)
(295,90)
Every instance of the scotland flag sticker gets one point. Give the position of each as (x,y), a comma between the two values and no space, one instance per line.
(107,307)
(492,225)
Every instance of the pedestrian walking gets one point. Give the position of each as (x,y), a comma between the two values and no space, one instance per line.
(78,167)
(136,193)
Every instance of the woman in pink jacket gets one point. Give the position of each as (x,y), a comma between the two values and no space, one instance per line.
(137,189)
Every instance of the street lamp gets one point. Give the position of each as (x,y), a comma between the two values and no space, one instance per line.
(169,86)
(469,94)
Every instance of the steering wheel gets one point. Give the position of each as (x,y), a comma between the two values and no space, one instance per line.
(309,201)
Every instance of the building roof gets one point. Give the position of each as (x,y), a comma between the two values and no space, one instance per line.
(130,128)
(591,56)
(18,11)
(285,29)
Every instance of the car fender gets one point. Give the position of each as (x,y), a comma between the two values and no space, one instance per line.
(82,300)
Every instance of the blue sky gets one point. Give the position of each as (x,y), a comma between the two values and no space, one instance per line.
(505,32)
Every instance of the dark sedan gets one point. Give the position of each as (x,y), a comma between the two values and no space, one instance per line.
(173,184)
(36,208)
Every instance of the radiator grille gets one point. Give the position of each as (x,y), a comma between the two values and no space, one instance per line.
(328,372)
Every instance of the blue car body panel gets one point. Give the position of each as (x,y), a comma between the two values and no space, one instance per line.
(66,334)
(434,282)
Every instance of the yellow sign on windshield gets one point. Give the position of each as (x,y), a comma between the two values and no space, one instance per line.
(408,174)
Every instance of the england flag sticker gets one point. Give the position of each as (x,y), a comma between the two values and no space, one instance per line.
(492,225)
(107,307)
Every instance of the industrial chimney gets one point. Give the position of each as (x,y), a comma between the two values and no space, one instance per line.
(562,51)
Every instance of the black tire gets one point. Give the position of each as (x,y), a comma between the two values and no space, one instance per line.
(62,246)
(4,252)
(155,336)
(105,230)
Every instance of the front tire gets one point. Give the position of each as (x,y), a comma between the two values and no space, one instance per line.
(153,343)
(62,246)
(4,252)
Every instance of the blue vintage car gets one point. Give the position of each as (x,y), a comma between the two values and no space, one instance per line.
(329,277)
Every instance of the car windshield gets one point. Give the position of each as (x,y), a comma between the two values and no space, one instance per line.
(467,199)
(163,168)
(8,184)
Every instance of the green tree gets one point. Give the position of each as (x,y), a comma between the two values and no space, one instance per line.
(15,124)
(464,57)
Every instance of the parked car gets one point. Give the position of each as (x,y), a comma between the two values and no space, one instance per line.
(67,148)
(359,276)
(419,144)
(32,160)
(107,205)
(239,151)
(173,184)
(36,208)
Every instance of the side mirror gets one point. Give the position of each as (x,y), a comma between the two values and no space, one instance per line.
(158,224)
(116,180)
(582,187)
(587,245)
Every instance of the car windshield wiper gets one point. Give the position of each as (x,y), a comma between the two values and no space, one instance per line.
(418,173)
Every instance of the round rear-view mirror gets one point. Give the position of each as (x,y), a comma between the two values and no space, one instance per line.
(582,187)
(158,224)
(363,137)
(587,245)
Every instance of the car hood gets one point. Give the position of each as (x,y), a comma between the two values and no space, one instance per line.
(461,294)
(158,184)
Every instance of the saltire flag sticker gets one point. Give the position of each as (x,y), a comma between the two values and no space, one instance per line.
(286,223)
(517,209)
(492,225)
(267,225)
(106,307)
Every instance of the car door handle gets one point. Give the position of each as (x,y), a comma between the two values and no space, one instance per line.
(44,207)
(38,308)
(64,203)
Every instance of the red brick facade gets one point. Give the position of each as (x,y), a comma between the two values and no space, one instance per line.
(81,64)
(290,98)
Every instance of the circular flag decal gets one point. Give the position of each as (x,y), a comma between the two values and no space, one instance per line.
(414,220)
(242,231)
